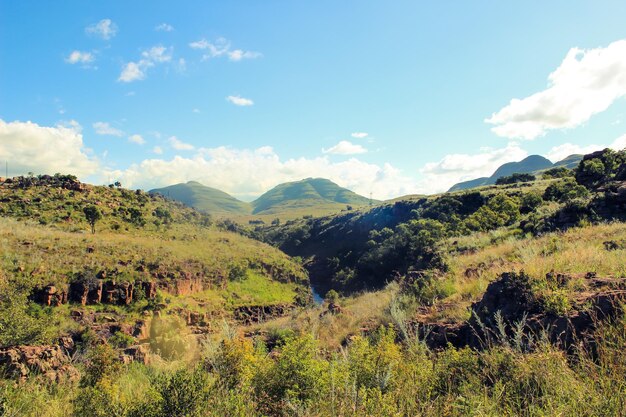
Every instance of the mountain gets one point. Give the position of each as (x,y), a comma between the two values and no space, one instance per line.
(530,164)
(203,198)
(314,196)
(569,162)
(310,193)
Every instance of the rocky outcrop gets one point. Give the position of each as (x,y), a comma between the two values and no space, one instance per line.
(136,353)
(50,361)
(510,301)
(97,291)
(51,295)
(184,286)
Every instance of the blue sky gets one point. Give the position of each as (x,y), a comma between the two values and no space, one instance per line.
(243,95)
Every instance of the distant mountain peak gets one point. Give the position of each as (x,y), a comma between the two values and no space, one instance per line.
(531,163)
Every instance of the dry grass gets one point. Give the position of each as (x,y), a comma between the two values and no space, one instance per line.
(576,252)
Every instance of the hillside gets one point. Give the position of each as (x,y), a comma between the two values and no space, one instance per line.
(311,196)
(359,250)
(530,164)
(308,193)
(203,198)
(147,253)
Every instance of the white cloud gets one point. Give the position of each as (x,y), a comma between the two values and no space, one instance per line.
(560,152)
(586,83)
(564,150)
(453,168)
(158,53)
(104,128)
(247,173)
(138,139)
(240,101)
(180,145)
(359,135)
(345,147)
(157,150)
(222,47)
(104,29)
(134,71)
(80,57)
(238,55)
(29,147)
(164,27)
(619,143)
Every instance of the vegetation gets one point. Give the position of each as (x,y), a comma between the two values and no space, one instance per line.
(505,301)
(312,196)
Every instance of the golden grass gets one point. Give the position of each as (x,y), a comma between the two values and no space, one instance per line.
(576,251)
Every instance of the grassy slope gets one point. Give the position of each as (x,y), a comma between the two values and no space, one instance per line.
(44,239)
(576,252)
(309,193)
(203,198)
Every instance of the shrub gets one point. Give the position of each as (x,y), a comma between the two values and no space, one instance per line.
(564,191)
(530,201)
(558,172)
(515,178)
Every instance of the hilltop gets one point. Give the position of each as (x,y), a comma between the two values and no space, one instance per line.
(530,164)
(203,198)
(311,196)
(306,194)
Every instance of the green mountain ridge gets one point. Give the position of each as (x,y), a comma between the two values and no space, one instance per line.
(530,164)
(203,198)
(309,194)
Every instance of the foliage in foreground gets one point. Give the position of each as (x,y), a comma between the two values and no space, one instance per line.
(375,376)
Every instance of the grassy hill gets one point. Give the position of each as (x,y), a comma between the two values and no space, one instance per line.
(146,250)
(312,196)
(205,199)
(530,164)
(309,193)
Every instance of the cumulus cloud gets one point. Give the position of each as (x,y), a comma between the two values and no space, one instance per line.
(157,150)
(105,129)
(247,173)
(179,145)
(345,147)
(80,57)
(359,135)
(586,83)
(240,101)
(560,152)
(134,71)
(104,29)
(440,176)
(29,147)
(222,47)
(138,139)
(164,27)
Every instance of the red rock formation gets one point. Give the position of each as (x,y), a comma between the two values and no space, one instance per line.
(51,361)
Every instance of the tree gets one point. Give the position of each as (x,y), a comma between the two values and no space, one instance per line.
(92,214)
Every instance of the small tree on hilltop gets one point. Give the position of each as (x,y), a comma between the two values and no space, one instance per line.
(92,214)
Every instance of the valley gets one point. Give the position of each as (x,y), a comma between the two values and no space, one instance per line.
(161,295)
